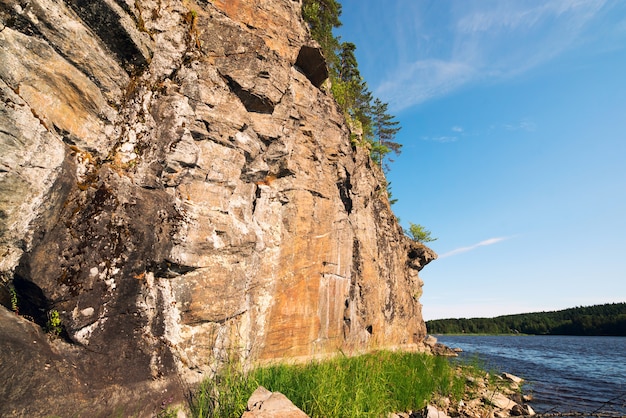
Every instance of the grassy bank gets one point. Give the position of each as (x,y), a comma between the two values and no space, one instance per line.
(370,385)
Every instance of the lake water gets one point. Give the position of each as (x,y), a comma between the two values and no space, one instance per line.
(563,373)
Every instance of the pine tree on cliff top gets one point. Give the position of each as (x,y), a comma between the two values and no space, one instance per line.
(322,16)
(385,130)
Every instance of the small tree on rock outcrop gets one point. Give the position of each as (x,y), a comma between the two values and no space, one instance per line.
(418,233)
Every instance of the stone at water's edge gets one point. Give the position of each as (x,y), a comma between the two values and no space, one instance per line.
(512,378)
(498,400)
(176,185)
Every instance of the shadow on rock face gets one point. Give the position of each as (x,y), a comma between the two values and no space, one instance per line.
(45,376)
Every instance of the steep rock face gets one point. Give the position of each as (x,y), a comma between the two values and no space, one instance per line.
(174,183)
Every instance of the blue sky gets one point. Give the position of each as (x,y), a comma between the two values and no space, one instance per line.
(513,118)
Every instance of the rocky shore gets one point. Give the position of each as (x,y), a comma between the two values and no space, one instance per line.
(485,396)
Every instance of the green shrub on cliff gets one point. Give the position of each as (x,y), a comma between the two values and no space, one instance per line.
(418,233)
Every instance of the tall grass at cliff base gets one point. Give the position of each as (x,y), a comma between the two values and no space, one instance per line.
(369,385)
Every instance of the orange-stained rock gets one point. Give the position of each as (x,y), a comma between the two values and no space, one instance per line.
(279,22)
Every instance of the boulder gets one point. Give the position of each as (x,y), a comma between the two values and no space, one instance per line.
(498,400)
(432,412)
(430,341)
(439,349)
(512,378)
(266,404)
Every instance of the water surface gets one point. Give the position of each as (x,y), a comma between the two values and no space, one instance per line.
(563,373)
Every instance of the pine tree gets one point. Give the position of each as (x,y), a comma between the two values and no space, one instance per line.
(322,16)
(385,129)
(349,89)
(348,68)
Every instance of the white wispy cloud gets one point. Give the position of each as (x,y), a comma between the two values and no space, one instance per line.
(441,139)
(423,80)
(490,241)
(523,125)
(481,41)
(459,133)
(515,15)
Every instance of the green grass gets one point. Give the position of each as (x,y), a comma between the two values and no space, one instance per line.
(370,385)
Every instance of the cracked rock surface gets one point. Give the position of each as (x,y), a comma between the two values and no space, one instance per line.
(177,186)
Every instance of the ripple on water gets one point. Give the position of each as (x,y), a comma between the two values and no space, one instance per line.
(563,373)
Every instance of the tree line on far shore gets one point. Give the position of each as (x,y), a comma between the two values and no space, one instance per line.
(608,319)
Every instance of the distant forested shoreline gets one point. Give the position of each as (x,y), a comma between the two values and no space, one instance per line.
(608,319)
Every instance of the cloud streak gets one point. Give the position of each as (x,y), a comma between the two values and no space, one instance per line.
(423,80)
(461,250)
(441,139)
(523,125)
(479,41)
(459,133)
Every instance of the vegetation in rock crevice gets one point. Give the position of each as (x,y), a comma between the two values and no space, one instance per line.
(53,326)
(14,301)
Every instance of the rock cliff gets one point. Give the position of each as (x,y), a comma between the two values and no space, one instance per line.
(177,184)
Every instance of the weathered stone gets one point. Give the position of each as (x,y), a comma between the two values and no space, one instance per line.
(279,22)
(398,415)
(117,30)
(432,412)
(498,400)
(180,191)
(439,349)
(41,376)
(31,160)
(501,413)
(430,341)
(266,404)
(517,410)
(512,378)
(259,396)
(61,97)
(60,27)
